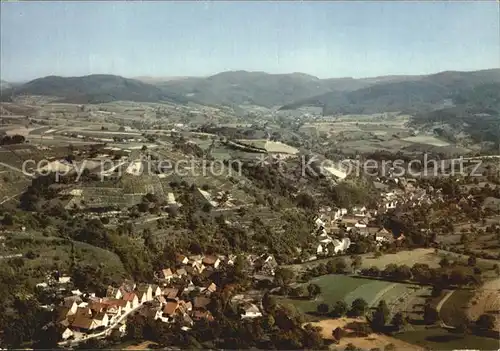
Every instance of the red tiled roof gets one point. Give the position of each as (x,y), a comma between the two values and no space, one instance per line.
(170,308)
(130,296)
(210,260)
(170,293)
(82,322)
(97,306)
(114,302)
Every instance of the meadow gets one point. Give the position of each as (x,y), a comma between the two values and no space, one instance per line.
(340,287)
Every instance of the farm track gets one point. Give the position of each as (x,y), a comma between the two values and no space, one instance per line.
(380,294)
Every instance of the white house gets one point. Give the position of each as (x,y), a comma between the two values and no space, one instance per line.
(210,260)
(251,311)
(181,259)
(341,245)
(73,307)
(121,306)
(67,333)
(167,274)
(144,293)
(390,205)
(156,290)
(102,319)
(319,222)
(123,327)
(114,293)
(64,280)
(76,292)
(337,214)
(320,250)
(132,298)
(359,211)
(360,225)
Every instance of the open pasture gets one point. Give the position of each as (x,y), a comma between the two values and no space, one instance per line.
(340,287)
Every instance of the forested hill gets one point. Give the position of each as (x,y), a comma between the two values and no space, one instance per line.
(417,93)
(97,88)
(476,112)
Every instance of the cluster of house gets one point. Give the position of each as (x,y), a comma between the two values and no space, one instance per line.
(358,219)
(408,193)
(174,298)
(81,314)
(341,220)
(55,279)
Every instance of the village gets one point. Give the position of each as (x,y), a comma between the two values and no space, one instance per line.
(173,297)
(182,293)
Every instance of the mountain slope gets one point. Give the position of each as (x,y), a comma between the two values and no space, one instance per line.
(97,88)
(242,87)
(234,88)
(476,113)
(410,93)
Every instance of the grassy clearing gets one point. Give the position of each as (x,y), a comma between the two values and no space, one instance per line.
(440,339)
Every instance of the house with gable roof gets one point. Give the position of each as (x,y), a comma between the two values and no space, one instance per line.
(132,298)
(144,293)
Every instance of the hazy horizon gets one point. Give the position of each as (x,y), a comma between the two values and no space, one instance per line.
(197,39)
(172,78)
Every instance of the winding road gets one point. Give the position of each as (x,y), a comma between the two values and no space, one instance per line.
(440,304)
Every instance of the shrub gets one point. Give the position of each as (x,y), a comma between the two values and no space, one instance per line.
(30,255)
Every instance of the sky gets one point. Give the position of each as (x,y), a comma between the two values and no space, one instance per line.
(198,38)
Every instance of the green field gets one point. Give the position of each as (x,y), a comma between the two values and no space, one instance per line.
(440,339)
(341,287)
(453,310)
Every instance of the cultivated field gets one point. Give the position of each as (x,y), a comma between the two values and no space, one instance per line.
(426,139)
(346,288)
(409,258)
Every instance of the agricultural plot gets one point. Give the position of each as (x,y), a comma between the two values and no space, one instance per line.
(269,146)
(348,289)
(426,139)
(409,258)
